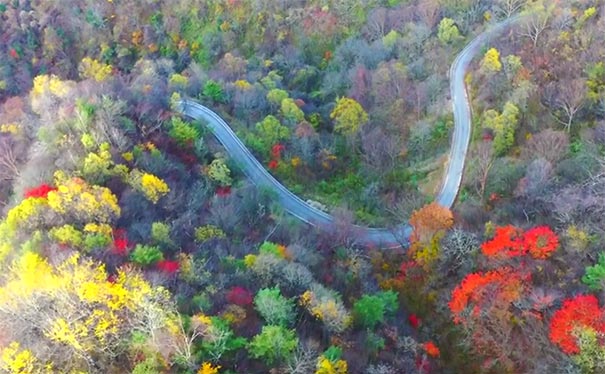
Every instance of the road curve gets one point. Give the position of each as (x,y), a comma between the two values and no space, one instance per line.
(378,237)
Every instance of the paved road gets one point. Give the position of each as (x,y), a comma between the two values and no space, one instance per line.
(378,237)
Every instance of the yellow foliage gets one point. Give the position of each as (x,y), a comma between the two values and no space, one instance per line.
(85,202)
(208,368)
(243,84)
(14,360)
(491,61)
(578,238)
(325,366)
(327,309)
(149,185)
(49,83)
(249,260)
(427,255)
(95,228)
(10,128)
(178,80)
(25,212)
(207,232)
(76,307)
(90,68)
(66,234)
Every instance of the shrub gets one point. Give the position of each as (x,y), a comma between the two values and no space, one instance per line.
(273,307)
(326,307)
(239,296)
(183,133)
(371,310)
(595,275)
(207,232)
(160,233)
(273,344)
(146,255)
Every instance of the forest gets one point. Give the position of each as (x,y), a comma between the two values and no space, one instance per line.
(131,242)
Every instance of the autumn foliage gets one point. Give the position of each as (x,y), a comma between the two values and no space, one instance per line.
(502,285)
(429,220)
(580,312)
(41,191)
(509,241)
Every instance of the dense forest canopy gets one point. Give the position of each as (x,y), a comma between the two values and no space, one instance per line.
(131,243)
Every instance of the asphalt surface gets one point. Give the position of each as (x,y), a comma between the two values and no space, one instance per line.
(377,237)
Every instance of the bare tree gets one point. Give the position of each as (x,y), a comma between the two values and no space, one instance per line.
(483,159)
(548,144)
(536,24)
(507,8)
(9,164)
(565,99)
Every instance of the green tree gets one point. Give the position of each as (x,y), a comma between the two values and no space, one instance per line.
(291,112)
(183,133)
(503,125)
(371,310)
(276,96)
(594,277)
(447,31)
(271,131)
(349,116)
(160,233)
(273,344)
(220,173)
(146,255)
(274,307)
(214,91)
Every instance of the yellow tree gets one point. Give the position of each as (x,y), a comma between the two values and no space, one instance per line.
(73,317)
(348,116)
(491,61)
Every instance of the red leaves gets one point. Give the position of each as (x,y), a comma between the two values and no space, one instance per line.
(239,296)
(431,349)
(540,242)
(580,312)
(120,242)
(506,243)
(509,241)
(39,192)
(276,151)
(168,266)
(273,164)
(414,320)
(223,191)
(13,53)
(497,285)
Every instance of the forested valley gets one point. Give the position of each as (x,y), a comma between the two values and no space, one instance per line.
(131,242)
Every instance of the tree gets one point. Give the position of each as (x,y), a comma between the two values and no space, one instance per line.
(429,220)
(291,112)
(371,310)
(507,8)
(447,32)
(483,157)
(491,61)
(273,344)
(219,172)
(548,144)
(349,116)
(504,126)
(152,187)
(565,100)
(70,316)
(271,131)
(274,307)
(537,21)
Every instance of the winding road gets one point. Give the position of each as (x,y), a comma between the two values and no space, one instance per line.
(379,237)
